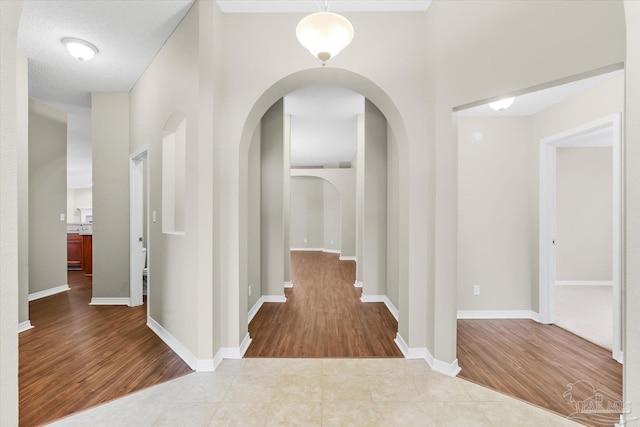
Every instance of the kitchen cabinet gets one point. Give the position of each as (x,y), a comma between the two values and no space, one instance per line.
(87,254)
(74,252)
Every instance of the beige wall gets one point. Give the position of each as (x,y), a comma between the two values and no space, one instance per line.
(255,172)
(632,210)
(393,216)
(22,93)
(9,76)
(494,214)
(307,213)
(47,197)
(331,223)
(374,237)
(584,233)
(110,139)
(272,224)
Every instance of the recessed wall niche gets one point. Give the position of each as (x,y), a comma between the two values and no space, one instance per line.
(174,173)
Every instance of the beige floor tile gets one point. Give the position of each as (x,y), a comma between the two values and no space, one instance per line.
(346,388)
(261,388)
(230,367)
(402,414)
(295,414)
(298,388)
(203,387)
(456,414)
(385,366)
(257,366)
(480,393)
(393,388)
(418,367)
(521,414)
(244,414)
(440,388)
(122,412)
(186,414)
(344,366)
(350,414)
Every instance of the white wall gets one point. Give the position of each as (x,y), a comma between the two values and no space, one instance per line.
(22,94)
(254,279)
(584,233)
(632,208)
(393,216)
(331,225)
(47,197)
(307,213)
(78,198)
(494,214)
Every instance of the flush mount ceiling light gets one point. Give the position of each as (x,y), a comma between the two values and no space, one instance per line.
(80,49)
(502,104)
(324,33)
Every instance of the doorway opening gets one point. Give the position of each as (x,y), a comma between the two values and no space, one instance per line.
(603,133)
(139,235)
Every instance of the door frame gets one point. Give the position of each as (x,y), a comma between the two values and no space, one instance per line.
(547,220)
(136,224)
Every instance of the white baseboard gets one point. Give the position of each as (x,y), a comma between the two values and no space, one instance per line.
(288,284)
(48,292)
(347,258)
(306,249)
(183,352)
(24,326)
(237,352)
(497,314)
(584,283)
(254,310)
(110,301)
(451,369)
(357,284)
(384,299)
(331,251)
(273,298)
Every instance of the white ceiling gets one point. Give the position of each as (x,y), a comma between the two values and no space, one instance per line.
(308,6)
(323,124)
(128,34)
(535,102)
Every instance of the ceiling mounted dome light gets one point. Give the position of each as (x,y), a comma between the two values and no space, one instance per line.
(324,34)
(502,104)
(80,49)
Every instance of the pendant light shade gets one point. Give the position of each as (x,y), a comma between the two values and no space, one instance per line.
(324,34)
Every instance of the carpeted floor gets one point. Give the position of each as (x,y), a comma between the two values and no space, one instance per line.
(586,311)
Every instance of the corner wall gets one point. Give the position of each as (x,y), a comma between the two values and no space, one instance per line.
(47,198)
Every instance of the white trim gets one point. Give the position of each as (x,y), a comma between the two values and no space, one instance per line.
(381,298)
(48,292)
(183,352)
(254,310)
(288,284)
(110,301)
(206,365)
(273,298)
(217,359)
(24,326)
(498,314)
(306,249)
(357,284)
(584,282)
(136,221)
(450,369)
(348,258)
(237,352)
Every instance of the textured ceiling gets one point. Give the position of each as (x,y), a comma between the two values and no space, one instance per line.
(271,6)
(323,124)
(127,33)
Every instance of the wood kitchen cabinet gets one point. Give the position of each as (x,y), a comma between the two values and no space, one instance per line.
(87,254)
(74,252)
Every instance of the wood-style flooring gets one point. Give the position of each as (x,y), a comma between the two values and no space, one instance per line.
(323,315)
(541,364)
(78,356)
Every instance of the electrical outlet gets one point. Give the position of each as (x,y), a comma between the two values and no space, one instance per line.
(332,242)
(61,217)
(249,290)
(476,289)
(305,240)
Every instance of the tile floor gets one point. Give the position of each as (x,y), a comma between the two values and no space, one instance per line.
(316,392)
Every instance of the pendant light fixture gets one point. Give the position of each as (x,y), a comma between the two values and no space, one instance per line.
(324,33)
(502,104)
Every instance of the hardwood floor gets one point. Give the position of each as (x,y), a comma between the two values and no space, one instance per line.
(323,315)
(539,363)
(78,356)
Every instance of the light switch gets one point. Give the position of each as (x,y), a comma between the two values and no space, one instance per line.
(153,216)
(61,217)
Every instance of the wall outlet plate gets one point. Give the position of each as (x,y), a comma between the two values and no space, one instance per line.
(476,289)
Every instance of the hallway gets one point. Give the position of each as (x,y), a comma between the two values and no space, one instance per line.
(78,356)
(323,315)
